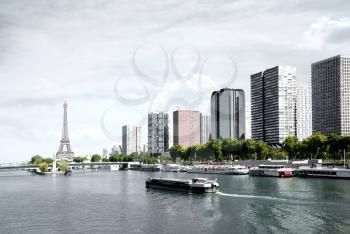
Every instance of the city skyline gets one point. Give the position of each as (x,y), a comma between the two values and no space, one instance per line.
(83,57)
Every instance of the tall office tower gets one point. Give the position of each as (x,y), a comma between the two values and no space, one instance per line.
(303,110)
(331,95)
(158,134)
(204,128)
(115,150)
(105,153)
(248,122)
(186,127)
(131,139)
(227,114)
(273,98)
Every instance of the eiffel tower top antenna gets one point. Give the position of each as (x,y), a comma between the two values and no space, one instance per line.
(65,134)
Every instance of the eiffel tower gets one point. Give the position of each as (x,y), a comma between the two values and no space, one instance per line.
(65,151)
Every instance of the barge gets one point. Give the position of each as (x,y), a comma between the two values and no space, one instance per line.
(324,172)
(196,185)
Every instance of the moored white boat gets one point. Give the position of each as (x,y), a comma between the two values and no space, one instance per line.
(150,167)
(171,168)
(185,168)
(236,170)
(272,170)
(109,167)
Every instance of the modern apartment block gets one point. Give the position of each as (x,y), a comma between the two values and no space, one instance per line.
(204,128)
(228,114)
(158,134)
(131,139)
(331,95)
(304,110)
(273,100)
(186,127)
(248,121)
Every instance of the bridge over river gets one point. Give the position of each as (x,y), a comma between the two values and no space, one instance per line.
(124,165)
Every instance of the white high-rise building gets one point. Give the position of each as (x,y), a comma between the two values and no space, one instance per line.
(273,98)
(331,95)
(248,122)
(304,110)
(131,139)
(204,128)
(105,153)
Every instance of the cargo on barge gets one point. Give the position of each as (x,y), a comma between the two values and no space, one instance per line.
(196,185)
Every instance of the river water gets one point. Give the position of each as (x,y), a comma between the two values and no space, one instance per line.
(117,202)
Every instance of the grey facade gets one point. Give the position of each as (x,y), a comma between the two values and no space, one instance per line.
(158,133)
(248,121)
(331,95)
(228,114)
(131,139)
(204,128)
(273,100)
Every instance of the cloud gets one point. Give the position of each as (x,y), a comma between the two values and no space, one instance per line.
(327,32)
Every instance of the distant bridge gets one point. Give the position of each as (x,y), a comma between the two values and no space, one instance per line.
(124,165)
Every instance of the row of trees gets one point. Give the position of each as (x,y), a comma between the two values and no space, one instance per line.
(139,157)
(228,149)
(37,159)
(316,146)
(43,163)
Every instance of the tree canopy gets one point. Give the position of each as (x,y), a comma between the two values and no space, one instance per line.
(79,159)
(96,158)
(43,167)
(62,165)
(120,158)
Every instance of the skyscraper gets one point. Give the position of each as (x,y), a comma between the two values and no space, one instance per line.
(303,110)
(105,153)
(204,128)
(158,133)
(131,139)
(248,121)
(273,94)
(228,114)
(186,127)
(331,95)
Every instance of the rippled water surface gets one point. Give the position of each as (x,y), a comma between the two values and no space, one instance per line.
(117,202)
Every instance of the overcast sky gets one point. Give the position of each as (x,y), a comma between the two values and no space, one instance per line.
(114,61)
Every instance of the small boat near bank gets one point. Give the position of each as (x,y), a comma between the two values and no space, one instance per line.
(236,170)
(272,170)
(171,168)
(195,185)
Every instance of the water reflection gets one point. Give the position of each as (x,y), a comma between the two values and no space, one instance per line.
(117,202)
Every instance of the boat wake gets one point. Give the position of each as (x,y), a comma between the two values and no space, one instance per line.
(251,196)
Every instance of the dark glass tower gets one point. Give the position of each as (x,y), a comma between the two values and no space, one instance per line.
(228,114)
